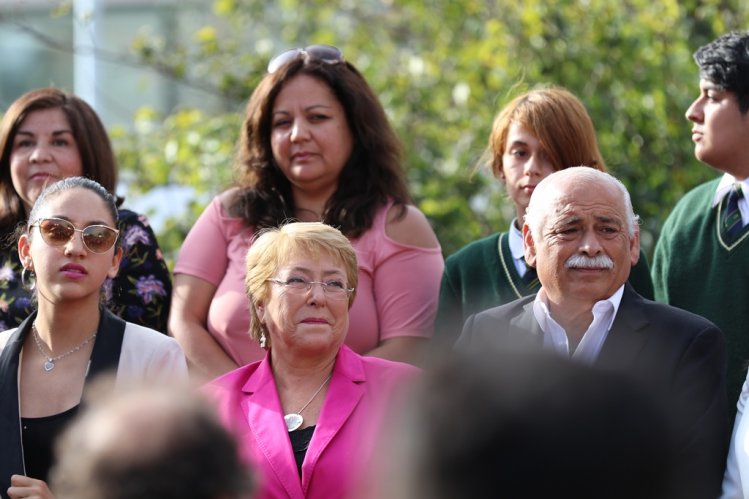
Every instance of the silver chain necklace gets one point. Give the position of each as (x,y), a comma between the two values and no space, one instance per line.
(294,419)
(49,364)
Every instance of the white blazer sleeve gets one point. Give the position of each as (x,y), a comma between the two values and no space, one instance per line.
(148,356)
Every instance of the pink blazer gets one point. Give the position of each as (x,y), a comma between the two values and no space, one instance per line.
(360,392)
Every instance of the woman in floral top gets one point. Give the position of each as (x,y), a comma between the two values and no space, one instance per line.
(47,135)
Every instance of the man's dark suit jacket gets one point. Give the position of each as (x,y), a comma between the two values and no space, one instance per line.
(676,355)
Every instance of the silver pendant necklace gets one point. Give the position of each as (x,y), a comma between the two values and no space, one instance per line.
(294,419)
(49,364)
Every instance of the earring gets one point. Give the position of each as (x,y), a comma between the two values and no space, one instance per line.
(28,279)
(263,341)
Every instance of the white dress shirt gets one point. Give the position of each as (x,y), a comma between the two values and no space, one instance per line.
(517,248)
(555,337)
(736,478)
(725,185)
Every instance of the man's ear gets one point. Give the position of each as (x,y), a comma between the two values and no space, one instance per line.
(529,246)
(634,247)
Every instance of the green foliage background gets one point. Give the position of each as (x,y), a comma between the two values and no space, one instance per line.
(442,69)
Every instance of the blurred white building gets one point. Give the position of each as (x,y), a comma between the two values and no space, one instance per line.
(49,42)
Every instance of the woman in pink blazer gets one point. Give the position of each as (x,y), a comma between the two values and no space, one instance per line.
(307,415)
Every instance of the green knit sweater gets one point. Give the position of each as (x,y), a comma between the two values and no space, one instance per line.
(482,275)
(695,270)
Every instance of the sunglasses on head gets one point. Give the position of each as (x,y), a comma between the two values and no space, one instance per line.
(323,53)
(57,232)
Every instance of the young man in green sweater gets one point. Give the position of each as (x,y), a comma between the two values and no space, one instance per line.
(701,261)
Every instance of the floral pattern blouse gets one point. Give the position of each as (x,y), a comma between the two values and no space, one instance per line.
(141,292)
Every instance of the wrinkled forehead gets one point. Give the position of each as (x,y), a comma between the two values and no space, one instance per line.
(584,200)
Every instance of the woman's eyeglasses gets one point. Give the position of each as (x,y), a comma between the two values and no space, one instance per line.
(333,289)
(324,53)
(57,232)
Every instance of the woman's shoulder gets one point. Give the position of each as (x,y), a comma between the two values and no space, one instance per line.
(364,367)
(128,218)
(139,336)
(228,199)
(395,368)
(407,224)
(5,336)
(233,381)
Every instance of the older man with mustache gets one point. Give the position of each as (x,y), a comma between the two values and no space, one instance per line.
(581,234)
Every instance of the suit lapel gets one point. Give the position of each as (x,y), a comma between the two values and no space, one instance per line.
(345,391)
(264,414)
(524,326)
(628,335)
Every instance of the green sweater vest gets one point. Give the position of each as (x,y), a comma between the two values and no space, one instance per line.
(482,275)
(694,270)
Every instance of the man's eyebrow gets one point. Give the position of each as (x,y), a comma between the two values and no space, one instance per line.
(568,220)
(712,87)
(608,219)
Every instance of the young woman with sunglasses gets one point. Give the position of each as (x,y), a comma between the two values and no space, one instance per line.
(47,135)
(315,145)
(47,362)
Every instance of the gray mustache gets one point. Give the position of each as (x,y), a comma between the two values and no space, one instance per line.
(589,262)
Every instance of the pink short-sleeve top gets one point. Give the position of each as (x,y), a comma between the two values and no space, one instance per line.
(397,294)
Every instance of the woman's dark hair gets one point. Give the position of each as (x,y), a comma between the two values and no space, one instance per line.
(97,158)
(73,183)
(372,175)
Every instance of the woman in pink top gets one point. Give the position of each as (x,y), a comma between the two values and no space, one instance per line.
(307,417)
(316,145)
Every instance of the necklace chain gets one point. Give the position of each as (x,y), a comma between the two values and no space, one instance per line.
(315,395)
(294,420)
(49,364)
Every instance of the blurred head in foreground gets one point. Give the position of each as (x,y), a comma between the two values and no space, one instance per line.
(528,425)
(149,442)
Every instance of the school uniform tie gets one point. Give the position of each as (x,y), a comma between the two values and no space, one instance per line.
(530,276)
(730,219)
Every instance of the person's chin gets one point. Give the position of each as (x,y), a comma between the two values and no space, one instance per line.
(591,287)
(589,276)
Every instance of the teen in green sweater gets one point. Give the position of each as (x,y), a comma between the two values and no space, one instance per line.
(695,267)
(537,133)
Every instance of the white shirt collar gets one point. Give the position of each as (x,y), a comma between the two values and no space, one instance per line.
(555,337)
(517,248)
(726,182)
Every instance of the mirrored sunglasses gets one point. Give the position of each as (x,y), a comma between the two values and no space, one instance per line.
(323,53)
(57,232)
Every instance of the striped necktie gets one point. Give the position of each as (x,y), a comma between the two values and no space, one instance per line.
(530,276)
(730,217)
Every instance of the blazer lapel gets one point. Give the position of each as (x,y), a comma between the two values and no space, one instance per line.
(105,355)
(524,327)
(345,392)
(627,336)
(264,414)
(11,457)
